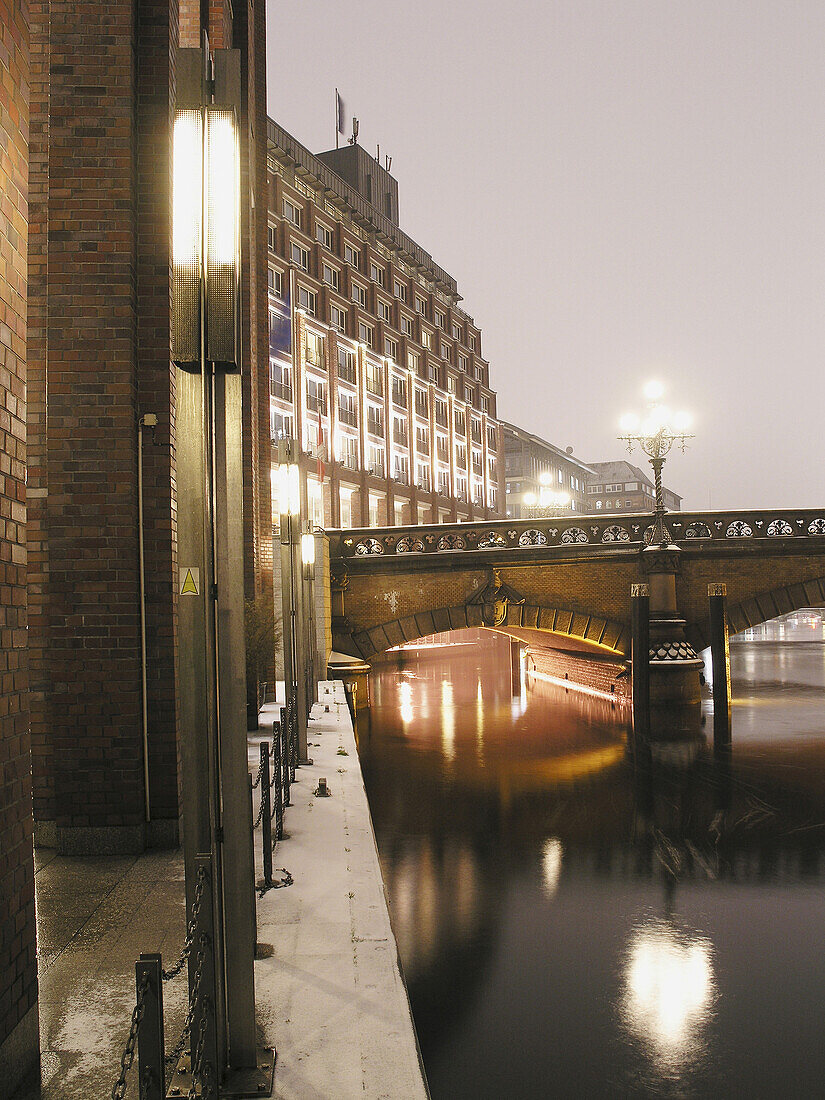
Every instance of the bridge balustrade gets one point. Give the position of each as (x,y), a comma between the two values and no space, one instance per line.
(581,533)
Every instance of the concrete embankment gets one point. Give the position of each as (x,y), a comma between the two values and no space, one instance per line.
(330,996)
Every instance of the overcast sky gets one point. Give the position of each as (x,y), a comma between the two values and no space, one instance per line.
(623,189)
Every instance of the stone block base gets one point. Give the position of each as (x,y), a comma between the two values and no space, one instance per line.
(19,1053)
(112,840)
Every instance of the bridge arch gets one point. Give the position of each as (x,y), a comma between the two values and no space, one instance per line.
(589,632)
(758,609)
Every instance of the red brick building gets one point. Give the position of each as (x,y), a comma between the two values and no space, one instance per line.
(18,962)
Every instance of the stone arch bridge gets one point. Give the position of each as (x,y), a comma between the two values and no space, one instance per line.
(565,582)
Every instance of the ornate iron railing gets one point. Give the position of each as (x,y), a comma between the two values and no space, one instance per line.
(584,533)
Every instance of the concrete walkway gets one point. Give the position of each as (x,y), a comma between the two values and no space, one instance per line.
(330,997)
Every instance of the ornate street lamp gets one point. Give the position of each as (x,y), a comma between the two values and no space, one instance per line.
(549,502)
(656,432)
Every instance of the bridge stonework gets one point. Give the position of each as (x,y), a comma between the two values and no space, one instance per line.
(395,585)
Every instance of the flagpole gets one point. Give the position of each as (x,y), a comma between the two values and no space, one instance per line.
(336,118)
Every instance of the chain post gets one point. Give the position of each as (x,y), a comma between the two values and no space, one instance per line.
(151,1060)
(293,756)
(203,1040)
(286,723)
(267,819)
(278,780)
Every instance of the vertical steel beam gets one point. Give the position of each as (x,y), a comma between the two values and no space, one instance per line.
(640,656)
(720,655)
(151,1060)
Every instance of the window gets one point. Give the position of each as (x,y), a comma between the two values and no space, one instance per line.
(308,301)
(422,403)
(406,325)
(439,317)
(300,257)
(468,395)
(347,408)
(351,255)
(460,422)
(413,360)
(274,281)
(432,373)
(446,351)
(399,390)
(375,379)
(456,331)
(401,469)
(373,505)
(323,235)
(399,290)
(391,348)
(441,448)
(450,384)
(444,482)
(271,237)
(628,504)
(375,460)
(316,350)
(461,455)
(331,276)
(292,213)
(485,403)
(375,420)
(422,476)
(366,334)
(280,379)
(479,373)
(472,341)
(316,395)
(422,438)
(280,424)
(377,273)
(338,318)
(492,438)
(348,451)
(426,338)
(358,294)
(383,309)
(441,412)
(463,362)
(420,305)
(346,365)
(598,504)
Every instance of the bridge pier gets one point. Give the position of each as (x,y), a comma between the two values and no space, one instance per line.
(675,688)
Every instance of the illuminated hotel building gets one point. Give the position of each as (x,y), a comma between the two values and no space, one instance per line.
(374,368)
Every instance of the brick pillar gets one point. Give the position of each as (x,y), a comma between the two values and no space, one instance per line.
(102,95)
(19,1038)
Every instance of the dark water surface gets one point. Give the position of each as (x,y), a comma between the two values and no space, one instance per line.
(569,930)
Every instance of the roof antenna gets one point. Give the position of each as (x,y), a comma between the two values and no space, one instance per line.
(388,162)
(354,139)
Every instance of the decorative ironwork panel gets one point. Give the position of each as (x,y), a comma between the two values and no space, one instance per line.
(369,546)
(615,533)
(532,537)
(574,534)
(697,530)
(451,542)
(409,545)
(816,527)
(492,540)
(779,527)
(739,529)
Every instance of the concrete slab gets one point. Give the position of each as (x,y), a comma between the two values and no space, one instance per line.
(331,998)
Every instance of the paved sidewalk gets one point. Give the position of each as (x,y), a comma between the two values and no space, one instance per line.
(330,998)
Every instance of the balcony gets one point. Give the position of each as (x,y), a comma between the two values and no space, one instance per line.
(441,417)
(346,372)
(350,461)
(423,483)
(375,425)
(317,404)
(399,397)
(475,432)
(282,390)
(399,435)
(401,476)
(377,469)
(375,385)
(348,417)
(422,409)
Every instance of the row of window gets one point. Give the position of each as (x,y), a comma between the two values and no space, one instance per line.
(355,257)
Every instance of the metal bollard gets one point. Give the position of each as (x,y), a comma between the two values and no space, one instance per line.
(266,819)
(277,780)
(151,1057)
(285,749)
(293,756)
(203,1038)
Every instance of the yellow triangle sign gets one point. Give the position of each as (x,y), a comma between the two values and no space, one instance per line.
(189,585)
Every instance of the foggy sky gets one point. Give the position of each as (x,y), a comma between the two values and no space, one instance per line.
(623,189)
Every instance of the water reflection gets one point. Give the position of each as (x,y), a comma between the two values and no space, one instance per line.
(570,927)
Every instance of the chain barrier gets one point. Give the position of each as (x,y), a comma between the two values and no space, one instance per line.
(257,781)
(128,1055)
(191,929)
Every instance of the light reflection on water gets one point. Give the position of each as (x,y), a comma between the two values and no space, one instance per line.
(568,929)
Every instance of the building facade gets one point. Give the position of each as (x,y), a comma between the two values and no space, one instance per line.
(622,487)
(541,478)
(375,369)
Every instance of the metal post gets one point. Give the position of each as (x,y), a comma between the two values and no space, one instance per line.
(205,1036)
(287,604)
(296,523)
(640,656)
(277,781)
(151,1058)
(515,667)
(266,818)
(720,655)
(286,749)
(238,862)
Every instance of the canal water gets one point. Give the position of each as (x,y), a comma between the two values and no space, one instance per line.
(568,928)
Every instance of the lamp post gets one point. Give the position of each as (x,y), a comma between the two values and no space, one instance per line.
(205,338)
(656,432)
(292,509)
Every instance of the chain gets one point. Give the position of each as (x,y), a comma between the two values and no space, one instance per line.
(259,818)
(198,1068)
(191,929)
(287,880)
(128,1055)
(257,781)
(171,1059)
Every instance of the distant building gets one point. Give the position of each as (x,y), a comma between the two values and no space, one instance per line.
(375,369)
(622,487)
(541,478)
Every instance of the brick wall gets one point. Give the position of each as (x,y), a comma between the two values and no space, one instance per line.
(18,960)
